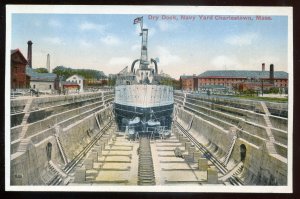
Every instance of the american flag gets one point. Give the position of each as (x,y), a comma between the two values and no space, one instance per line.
(138,20)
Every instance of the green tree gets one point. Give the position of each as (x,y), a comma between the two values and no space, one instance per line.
(274,90)
(41,70)
(85,73)
(170,82)
(111,81)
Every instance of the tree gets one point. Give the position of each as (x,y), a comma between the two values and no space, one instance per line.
(111,81)
(86,73)
(249,92)
(170,82)
(176,84)
(41,70)
(274,90)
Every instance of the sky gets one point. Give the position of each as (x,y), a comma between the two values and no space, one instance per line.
(110,42)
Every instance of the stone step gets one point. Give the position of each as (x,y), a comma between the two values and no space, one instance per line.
(47,178)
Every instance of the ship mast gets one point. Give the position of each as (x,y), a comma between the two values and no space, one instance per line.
(144,46)
(144,49)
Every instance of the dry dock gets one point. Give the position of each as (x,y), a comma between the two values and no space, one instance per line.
(74,140)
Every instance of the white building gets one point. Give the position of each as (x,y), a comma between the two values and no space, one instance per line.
(76,79)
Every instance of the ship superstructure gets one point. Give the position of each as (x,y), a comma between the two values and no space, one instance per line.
(142,104)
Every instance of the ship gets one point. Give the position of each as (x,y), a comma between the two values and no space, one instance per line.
(142,103)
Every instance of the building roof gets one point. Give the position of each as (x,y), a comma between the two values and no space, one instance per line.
(14,51)
(21,55)
(187,76)
(69,84)
(48,77)
(79,76)
(243,74)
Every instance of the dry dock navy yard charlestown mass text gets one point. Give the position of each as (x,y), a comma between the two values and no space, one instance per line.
(206,17)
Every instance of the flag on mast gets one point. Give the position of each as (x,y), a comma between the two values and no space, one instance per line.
(138,20)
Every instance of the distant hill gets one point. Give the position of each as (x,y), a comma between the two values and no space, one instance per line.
(66,72)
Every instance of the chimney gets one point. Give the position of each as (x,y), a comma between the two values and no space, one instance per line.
(271,73)
(29,53)
(263,67)
(48,63)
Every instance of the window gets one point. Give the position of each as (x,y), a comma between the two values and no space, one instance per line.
(79,81)
(33,86)
(50,86)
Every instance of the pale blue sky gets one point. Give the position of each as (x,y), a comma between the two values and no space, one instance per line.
(111,42)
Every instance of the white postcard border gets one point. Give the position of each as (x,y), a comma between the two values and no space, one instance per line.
(176,10)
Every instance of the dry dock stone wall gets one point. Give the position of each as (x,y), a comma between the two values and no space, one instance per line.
(56,138)
(260,144)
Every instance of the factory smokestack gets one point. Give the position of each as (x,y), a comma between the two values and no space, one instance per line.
(271,73)
(48,63)
(29,53)
(263,67)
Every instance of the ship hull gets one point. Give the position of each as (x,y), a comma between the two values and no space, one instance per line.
(125,113)
(147,102)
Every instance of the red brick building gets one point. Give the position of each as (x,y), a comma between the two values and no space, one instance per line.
(243,86)
(230,78)
(19,79)
(188,82)
(250,79)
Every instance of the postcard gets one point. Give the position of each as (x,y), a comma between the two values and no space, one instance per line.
(149,98)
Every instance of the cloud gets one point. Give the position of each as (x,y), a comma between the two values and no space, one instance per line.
(54,23)
(221,62)
(120,61)
(242,39)
(87,26)
(167,26)
(135,47)
(84,43)
(54,40)
(110,40)
(167,58)
(151,31)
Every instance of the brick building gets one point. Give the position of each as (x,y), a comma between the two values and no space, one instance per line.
(251,78)
(19,79)
(188,82)
(229,79)
(256,86)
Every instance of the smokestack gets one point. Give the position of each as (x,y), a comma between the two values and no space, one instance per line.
(29,53)
(48,63)
(271,73)
(263,67)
